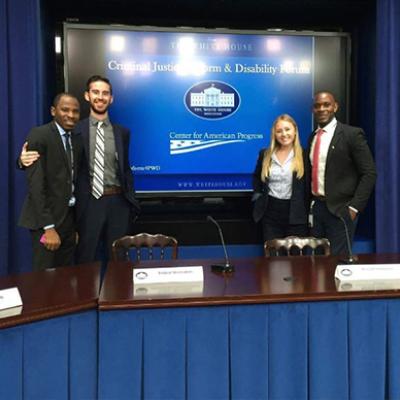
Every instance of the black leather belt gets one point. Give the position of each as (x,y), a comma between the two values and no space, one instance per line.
(111,190)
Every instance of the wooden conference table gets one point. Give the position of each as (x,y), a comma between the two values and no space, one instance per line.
(274,329)
(49,349)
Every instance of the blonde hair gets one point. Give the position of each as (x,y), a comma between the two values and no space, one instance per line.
(297,163)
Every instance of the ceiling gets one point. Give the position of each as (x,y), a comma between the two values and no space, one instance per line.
(327,15)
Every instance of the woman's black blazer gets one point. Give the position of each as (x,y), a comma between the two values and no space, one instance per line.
(299,202)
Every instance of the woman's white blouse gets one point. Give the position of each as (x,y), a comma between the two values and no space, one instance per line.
(281,177)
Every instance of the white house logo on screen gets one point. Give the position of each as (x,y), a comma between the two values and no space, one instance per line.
(212,100)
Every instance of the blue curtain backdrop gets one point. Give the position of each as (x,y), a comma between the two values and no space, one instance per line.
(387,133)
(24,93)
(21,88)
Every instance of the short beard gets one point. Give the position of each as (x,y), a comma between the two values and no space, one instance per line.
(99,111)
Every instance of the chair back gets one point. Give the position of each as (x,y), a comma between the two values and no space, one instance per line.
(294,245)
(122,246)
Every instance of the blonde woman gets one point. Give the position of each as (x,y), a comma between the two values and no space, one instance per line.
(281,183)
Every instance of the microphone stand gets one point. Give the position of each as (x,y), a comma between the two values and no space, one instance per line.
(350,259)
(227,267)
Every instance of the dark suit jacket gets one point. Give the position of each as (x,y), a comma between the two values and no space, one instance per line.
(49,179)
(124,172)
(350,172)
(299,202)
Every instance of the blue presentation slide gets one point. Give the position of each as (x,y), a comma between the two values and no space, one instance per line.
(200,106)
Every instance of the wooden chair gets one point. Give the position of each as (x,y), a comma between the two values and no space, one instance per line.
(122,246)
(294,245)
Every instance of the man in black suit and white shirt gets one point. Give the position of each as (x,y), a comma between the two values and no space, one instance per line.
(48,210)
(343,174)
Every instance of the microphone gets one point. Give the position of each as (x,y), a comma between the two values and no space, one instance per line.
(351,258)
(227,267)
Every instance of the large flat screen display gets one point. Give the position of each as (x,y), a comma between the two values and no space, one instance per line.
(200,104)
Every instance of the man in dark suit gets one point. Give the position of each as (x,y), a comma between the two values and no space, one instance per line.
(106,205)
(48,210)
(343,174)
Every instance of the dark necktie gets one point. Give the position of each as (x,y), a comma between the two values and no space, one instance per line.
(68,151)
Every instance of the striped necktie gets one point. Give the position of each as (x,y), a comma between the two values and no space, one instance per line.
(98,167)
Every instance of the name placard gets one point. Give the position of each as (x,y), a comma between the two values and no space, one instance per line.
(9,299)
(169,290)
(371,285)
(367,272)
(168,275)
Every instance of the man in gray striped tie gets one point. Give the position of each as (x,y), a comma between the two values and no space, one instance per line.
(106,204)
